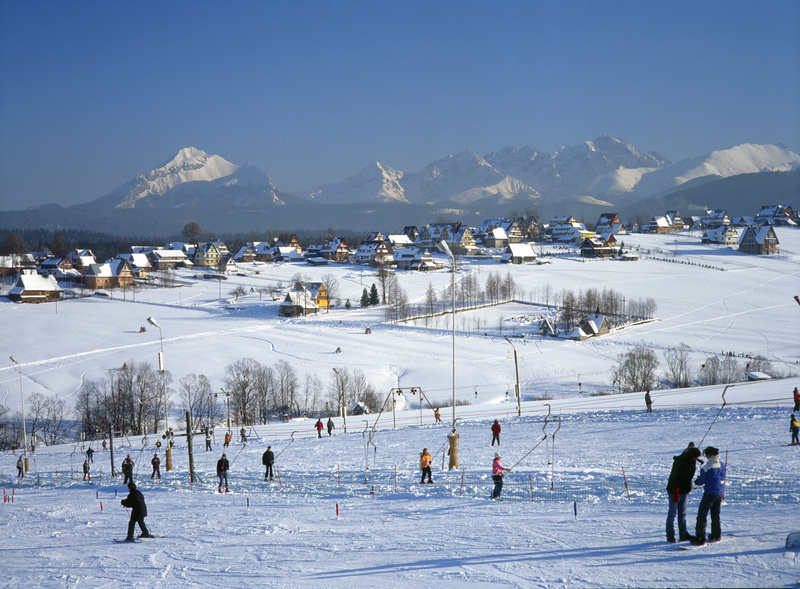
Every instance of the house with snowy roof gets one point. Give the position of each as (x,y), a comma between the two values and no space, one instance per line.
(724,235)
(335,249)
(298,303)
(32,287)
(595,247)
(374,253)
(781,215)
(715,218)
(166,259)
(760,241)
(610,223)
(419,259)
(518,253)
(594,325)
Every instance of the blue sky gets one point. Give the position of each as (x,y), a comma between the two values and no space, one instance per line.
(92,93)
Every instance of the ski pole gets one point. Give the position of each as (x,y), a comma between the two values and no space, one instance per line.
(718,412)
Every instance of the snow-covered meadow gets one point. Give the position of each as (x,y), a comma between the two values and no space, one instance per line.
(567,520)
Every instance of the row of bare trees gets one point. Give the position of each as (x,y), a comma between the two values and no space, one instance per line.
(636,369)
(616,308)
(468,295)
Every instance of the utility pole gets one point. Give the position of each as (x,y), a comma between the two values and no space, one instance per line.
(516,369)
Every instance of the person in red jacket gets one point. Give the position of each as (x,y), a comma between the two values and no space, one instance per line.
(796,394)
(319,427)
(495,432)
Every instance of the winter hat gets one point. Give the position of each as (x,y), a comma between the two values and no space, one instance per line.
(693,452)
(497,454)
(711,451)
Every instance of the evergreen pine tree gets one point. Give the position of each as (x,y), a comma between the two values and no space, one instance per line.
(347,304)
(365,298)
(374,297)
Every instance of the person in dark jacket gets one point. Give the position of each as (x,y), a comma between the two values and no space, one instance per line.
(268,460)
(89,454)
(135,500)
(794,428)
(648,400)
(20,467)
(222,472)
(156,462)
(678,487)
(796,395)
(496,432)
(331,427)
(86,470)
(127,470)
(712,478)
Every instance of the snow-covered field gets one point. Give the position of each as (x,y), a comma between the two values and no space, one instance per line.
(567,523)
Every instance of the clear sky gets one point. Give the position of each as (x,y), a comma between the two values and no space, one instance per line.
(312,91)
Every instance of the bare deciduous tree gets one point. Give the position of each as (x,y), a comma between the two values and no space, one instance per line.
(636,370)
(678,372)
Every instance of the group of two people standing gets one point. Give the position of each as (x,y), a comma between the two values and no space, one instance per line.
(712,478)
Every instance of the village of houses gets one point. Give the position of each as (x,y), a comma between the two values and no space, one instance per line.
(42,277)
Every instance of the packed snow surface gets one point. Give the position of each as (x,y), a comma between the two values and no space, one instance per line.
(583,506)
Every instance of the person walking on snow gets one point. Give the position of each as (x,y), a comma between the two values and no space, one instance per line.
(135,500)
(268,460)
(437,416)
(796,395)
(89,454)
(20,467)
(243,434)
(127,470)
(331,427)
(425,461)
(227,439)
(648,400)
(86,470)
(498,472)
(156,462)
(794,427)
(678,487)
(222,472)
(712,478)
(496,432)
(208,440)
(319,426)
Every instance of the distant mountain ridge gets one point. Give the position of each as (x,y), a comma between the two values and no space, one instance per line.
(606,171)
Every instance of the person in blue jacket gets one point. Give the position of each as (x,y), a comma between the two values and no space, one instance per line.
(712,479)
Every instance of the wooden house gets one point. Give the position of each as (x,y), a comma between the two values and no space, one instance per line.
(760,241)
(32,287)
(518,253)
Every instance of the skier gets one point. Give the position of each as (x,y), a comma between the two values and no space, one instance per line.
(127,470)
(331,427)
(496,432)
(208,440)
(89,454)
(135,500)
(156,462)
(158,444)
(86,470)
(712,478)
(425,461)
(20,467)
(678,487)
(498,472)
(437,416)
(243,434)
(104,444)
(796,395)
(222,472)
(794,427)
(267,460)
(227,439)
(648,400)
(319,427)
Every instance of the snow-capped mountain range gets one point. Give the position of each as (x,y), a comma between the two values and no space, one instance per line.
(606,170)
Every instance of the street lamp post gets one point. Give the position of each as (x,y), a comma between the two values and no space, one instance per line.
(444,246)
(24,429)
(153,322)
(516,369)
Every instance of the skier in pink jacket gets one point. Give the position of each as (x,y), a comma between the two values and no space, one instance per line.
(498,471)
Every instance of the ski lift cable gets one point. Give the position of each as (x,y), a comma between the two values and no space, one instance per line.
(724,402)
